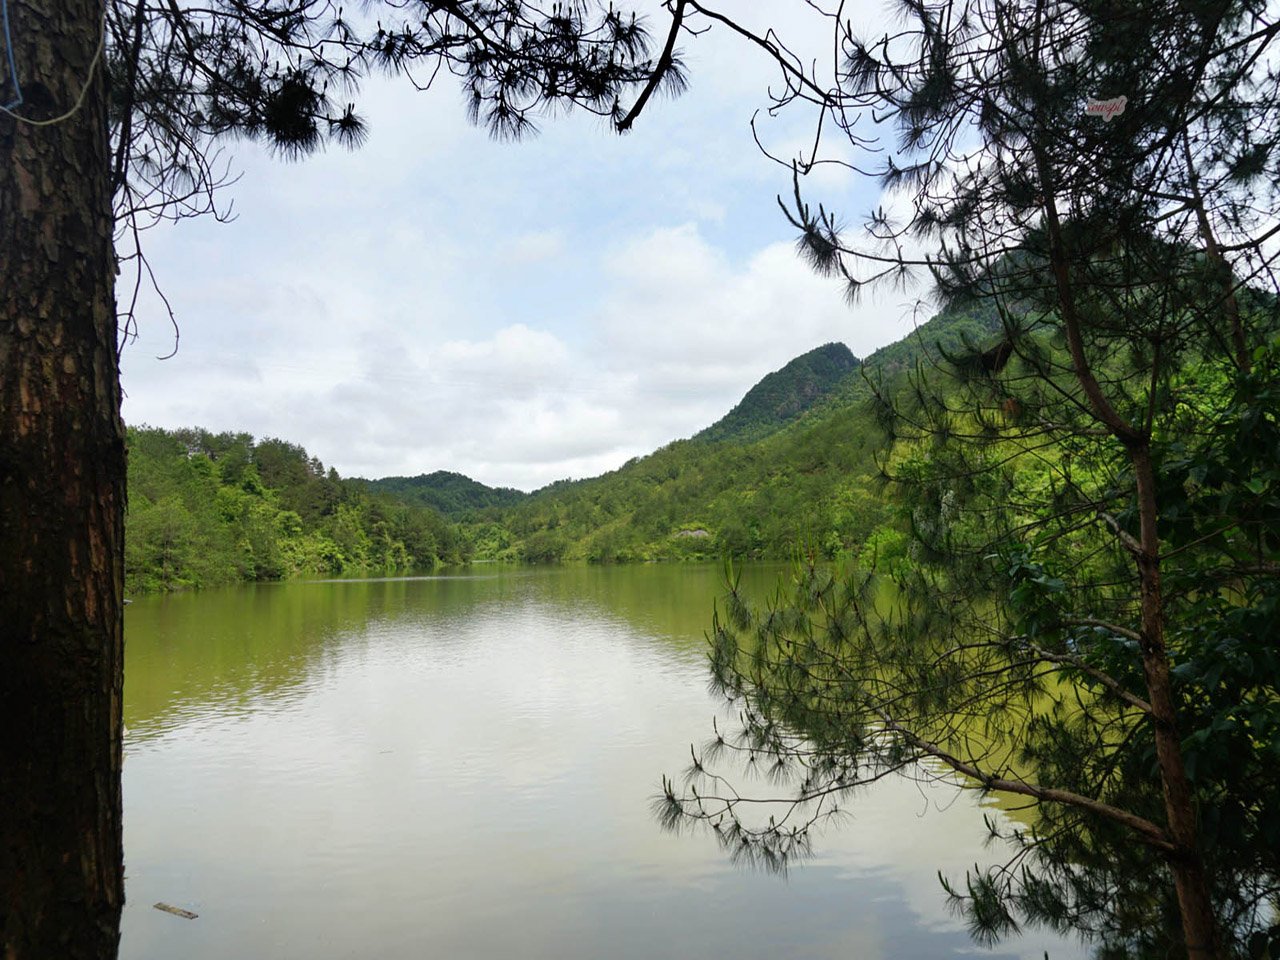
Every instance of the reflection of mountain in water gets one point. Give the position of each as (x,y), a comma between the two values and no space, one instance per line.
(255,647)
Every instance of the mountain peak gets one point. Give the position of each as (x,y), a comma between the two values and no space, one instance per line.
(783,396)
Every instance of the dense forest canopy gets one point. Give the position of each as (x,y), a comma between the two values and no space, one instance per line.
(451,493)
(208,509)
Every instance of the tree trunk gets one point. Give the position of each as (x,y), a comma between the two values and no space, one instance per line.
(62,475)
(1199,927)
(1190,880)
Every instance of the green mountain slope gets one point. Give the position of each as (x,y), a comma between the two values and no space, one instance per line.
(756,484)
(949,332)
(783,396)
(452,494)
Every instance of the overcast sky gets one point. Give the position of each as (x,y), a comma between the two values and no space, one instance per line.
(519,313)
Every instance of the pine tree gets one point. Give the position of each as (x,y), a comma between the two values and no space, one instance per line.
(1085,619)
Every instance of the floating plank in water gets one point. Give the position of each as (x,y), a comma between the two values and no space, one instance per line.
(176,911)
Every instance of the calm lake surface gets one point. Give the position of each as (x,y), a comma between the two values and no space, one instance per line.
(462,767)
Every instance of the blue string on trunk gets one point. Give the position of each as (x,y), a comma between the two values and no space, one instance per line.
(8,49)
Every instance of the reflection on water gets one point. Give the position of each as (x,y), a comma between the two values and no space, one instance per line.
(461,766)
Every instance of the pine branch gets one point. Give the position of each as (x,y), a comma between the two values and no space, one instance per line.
(1148,832)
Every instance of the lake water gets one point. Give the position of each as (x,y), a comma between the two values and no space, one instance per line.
(462,767)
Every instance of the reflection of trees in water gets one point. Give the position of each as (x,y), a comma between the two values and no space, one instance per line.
(240,647)
(247,647)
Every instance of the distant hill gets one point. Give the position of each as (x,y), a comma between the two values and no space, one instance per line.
(783,396)
(453,494)
(946,333)
(795,459)
(208,509)
(794,462)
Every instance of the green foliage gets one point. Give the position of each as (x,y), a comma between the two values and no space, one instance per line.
(1084,610)
(783,396)
(694,500)
(946,646)
(1043,537)
(452,494)
(208,509)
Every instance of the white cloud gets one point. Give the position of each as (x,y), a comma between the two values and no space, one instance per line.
(676,335)
(535,247)
(684,308)
(514,354)
(517,313)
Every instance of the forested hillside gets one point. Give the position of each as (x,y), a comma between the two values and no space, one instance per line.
(927,345)
(783,396)
(208,509)
(451,493)
(691,500)
(794,465)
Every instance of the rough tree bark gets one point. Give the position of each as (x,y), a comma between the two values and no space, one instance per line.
(62,475)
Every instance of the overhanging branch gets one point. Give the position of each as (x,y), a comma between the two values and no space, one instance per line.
(1148,832)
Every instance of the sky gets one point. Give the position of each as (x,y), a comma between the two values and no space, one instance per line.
(519,313)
